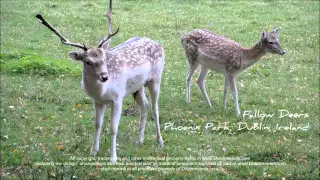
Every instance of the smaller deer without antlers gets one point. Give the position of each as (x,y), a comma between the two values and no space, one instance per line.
(220,54)
(109,75)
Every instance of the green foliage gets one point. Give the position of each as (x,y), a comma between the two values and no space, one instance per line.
(33,64)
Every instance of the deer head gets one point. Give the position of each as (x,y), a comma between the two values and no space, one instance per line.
(270,42)
(94,59)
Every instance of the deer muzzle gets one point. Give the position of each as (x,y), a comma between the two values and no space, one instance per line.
(282,52)
(103,77)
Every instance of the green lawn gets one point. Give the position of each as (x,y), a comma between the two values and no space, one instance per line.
(45,116)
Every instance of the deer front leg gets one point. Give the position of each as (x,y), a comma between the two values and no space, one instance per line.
(201,84)
(99,114)
(225,91)
(114,123)
(232,82)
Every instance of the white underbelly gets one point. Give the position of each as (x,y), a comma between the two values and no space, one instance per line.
(212,63)
(134,84)
(137,77)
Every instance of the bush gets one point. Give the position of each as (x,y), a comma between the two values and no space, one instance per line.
(37,65)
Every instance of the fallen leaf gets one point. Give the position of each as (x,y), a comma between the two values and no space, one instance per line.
(224,149)
(265,174)
(98,166)
(271,101)
(279,141)
(284,138)
(59,146)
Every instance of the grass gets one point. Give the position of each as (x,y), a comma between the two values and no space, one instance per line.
(45,116)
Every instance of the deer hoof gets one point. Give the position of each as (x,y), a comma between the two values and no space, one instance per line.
(113,160)
(94,152)
(160,141)
(139,142)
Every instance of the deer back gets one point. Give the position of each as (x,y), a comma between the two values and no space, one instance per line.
(210,44)
(135,53)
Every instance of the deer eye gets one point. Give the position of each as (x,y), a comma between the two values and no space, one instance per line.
(88,63)
(270,43)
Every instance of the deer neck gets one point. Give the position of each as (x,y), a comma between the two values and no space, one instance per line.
(255,53)
(252,55)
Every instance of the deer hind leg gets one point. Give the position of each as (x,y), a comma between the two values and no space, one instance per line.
(99,114)
(201,84)
(154,88)
(225,91)
(193,64)
(142,101)
(233,86)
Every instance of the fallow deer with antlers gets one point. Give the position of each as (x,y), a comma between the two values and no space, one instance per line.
(223,55)
(109,74)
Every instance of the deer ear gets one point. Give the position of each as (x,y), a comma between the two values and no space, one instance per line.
(105,46)
(275,31)
(263,35)
(76,55)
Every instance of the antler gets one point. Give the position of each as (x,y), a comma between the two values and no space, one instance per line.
(110,34)
(63,39)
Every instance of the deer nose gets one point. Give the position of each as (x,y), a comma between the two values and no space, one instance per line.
(282,52)
(103,77)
